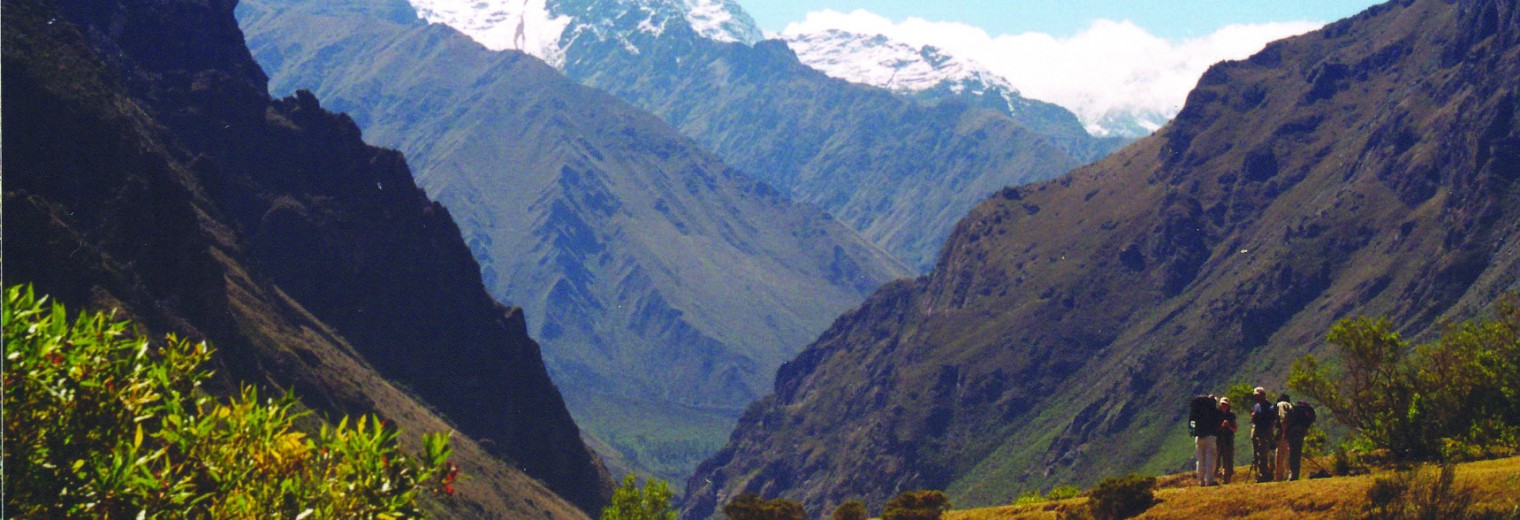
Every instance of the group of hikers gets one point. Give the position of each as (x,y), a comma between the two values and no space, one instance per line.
(1277,437)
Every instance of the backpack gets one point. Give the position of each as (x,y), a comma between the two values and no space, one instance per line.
(1301,416)
(1202,416)
(1266,418)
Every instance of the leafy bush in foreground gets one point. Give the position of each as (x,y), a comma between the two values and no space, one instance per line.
(101,424)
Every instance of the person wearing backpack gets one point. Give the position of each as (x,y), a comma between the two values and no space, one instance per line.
(1296,426)
(1203,425)
(1226,437)
(1263,417)
(1284,448)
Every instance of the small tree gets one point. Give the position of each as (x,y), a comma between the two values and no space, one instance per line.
(747,506)
(630,503)
(852,510)
(1372,389)
(1456,396)
(917,505)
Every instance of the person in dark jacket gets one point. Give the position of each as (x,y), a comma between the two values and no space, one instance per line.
(1263,419)
(1203,424)
(1226,438)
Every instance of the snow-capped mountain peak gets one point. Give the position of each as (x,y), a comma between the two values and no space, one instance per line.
(882,62)
(930,72)
(543,28)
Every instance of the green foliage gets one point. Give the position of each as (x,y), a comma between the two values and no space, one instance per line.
(917,505)
(631,503)
(851,510)
(747,506)
(101,424)
(1032,496)
(1056,493)
(1241,400)
(1456,397)
(1063,493)
(1122,497)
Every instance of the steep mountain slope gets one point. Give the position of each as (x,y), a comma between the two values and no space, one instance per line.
(899,172)
(664,280)
(147,170)
(1367,168)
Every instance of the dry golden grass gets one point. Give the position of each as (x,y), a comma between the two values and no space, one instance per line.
(1495,485)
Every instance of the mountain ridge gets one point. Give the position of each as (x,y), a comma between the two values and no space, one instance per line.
(814,137)
(1366,168)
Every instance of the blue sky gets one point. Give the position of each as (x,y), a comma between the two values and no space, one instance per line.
(1171,19)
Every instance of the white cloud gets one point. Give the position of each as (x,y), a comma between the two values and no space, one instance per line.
(1111,67)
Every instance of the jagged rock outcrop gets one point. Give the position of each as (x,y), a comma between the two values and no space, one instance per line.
(147,169)
(1369,168)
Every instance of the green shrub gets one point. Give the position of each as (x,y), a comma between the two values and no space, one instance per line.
(1032,496)
(852,510)
(747,506)
(630,503)
(917,505)
(101,424)
(1122,497)
(1063,493)
(1457,397)
(1056,493)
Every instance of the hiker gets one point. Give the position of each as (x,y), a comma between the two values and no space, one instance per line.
(1263,418)
(1295,427)
(1203,424)
(1226,438)
(1284,448)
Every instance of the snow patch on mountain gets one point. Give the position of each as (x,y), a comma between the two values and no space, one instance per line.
(878,61)
(541,27)
(722,20)
(524,25)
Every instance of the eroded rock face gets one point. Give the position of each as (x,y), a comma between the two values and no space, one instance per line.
(148,169)
(1365,169)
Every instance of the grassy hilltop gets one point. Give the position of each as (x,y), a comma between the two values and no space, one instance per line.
(1492,485)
